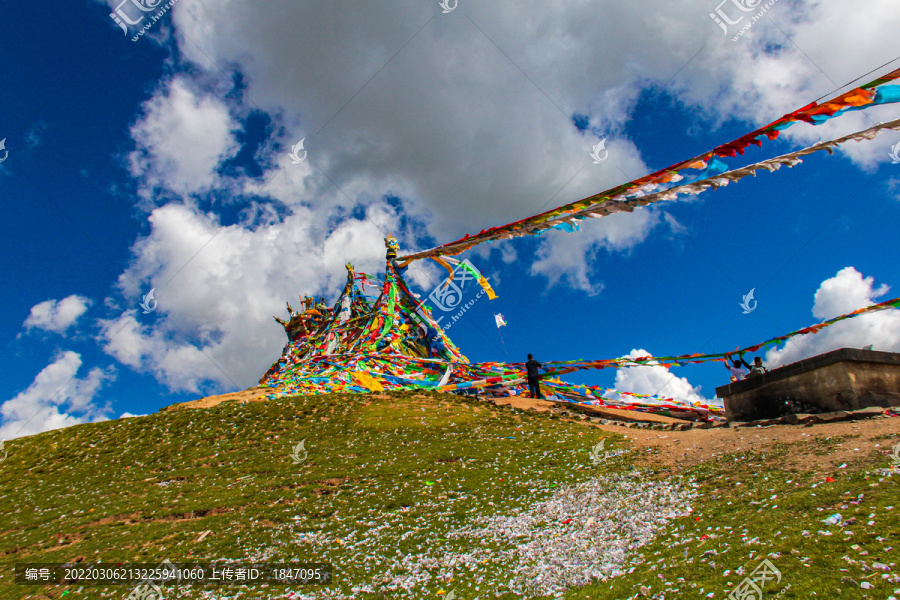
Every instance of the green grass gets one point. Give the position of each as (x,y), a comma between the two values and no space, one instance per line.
(751,510)
(388,478)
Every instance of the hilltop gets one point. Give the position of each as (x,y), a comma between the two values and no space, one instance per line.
(424,495)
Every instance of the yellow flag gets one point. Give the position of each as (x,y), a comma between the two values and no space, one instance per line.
(367,381)
(483,282)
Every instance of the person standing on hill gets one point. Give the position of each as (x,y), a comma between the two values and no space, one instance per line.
(534,386)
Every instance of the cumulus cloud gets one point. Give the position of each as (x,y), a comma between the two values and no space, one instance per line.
(841,294)
(568,257)
(467,118)
(769,75)
(439,121)
(454,99)
(441,125)
(213,323)
(656,380)
(37,408)
(182,138)
(57,315)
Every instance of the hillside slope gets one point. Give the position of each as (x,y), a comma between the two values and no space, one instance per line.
(432,496)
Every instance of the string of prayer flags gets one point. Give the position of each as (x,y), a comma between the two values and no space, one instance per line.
(447,261)
(392,343)
(712,172)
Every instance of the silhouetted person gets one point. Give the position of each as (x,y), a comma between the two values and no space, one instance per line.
(534,386)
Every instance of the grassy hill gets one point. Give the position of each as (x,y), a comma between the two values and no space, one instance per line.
(431,496)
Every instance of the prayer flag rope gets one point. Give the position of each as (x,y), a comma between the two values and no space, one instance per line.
(392,343)
(365,372)
(649,187)
(681,360)
(481,279)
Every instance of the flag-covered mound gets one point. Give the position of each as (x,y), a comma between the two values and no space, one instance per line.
(389,342)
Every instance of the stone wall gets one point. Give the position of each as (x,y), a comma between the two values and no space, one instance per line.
(845,379)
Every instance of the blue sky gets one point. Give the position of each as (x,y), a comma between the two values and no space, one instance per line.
(163,164)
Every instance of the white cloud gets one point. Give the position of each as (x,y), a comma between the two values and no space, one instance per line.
(452,123)
(182,139)
(37,408)
(845,292)
(57,315)
(213,322)
(893,185)
(656,380)
(825,51)
(568,257)
(35,135)
(449,123)
(128,415)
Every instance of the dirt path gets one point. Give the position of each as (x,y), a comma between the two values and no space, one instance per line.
(688,448)
(254,394)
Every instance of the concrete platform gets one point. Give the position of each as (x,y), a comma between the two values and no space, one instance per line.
(842,380)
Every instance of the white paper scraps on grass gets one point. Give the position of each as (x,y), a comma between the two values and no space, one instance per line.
(582,533)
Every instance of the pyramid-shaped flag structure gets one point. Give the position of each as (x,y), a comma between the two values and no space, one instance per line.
(363,335)
(364,343)
(400,323)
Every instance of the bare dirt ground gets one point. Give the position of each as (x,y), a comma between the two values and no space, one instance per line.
(688,448)
(525,402)
(254,394)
